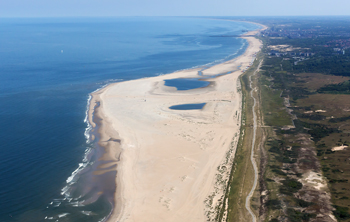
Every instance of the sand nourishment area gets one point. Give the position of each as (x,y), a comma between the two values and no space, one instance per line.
(172,165)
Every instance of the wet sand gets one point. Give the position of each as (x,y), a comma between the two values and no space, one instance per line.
(168,161)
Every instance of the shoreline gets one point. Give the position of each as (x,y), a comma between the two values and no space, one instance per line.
(149,146)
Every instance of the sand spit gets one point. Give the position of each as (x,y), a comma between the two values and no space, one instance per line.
(172,164)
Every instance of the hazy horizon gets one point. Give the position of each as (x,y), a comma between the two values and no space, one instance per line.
(109,8)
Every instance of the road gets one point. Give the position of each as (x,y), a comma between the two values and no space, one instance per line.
(247,202)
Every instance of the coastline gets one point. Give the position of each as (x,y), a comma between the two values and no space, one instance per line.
(168,159)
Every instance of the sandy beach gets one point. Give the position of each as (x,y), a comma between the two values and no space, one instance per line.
(172,165)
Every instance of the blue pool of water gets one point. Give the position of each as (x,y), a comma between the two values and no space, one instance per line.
(188,106)
(186,84)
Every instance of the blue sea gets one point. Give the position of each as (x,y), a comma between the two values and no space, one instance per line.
(48,68)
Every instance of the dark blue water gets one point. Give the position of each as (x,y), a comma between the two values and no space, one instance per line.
(48,67)
(186,84)
(188,106)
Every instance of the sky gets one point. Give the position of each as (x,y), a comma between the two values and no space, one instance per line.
(92,8)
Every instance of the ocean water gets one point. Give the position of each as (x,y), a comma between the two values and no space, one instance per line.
(48,67)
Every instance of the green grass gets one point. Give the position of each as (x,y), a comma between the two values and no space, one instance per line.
(272,106)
